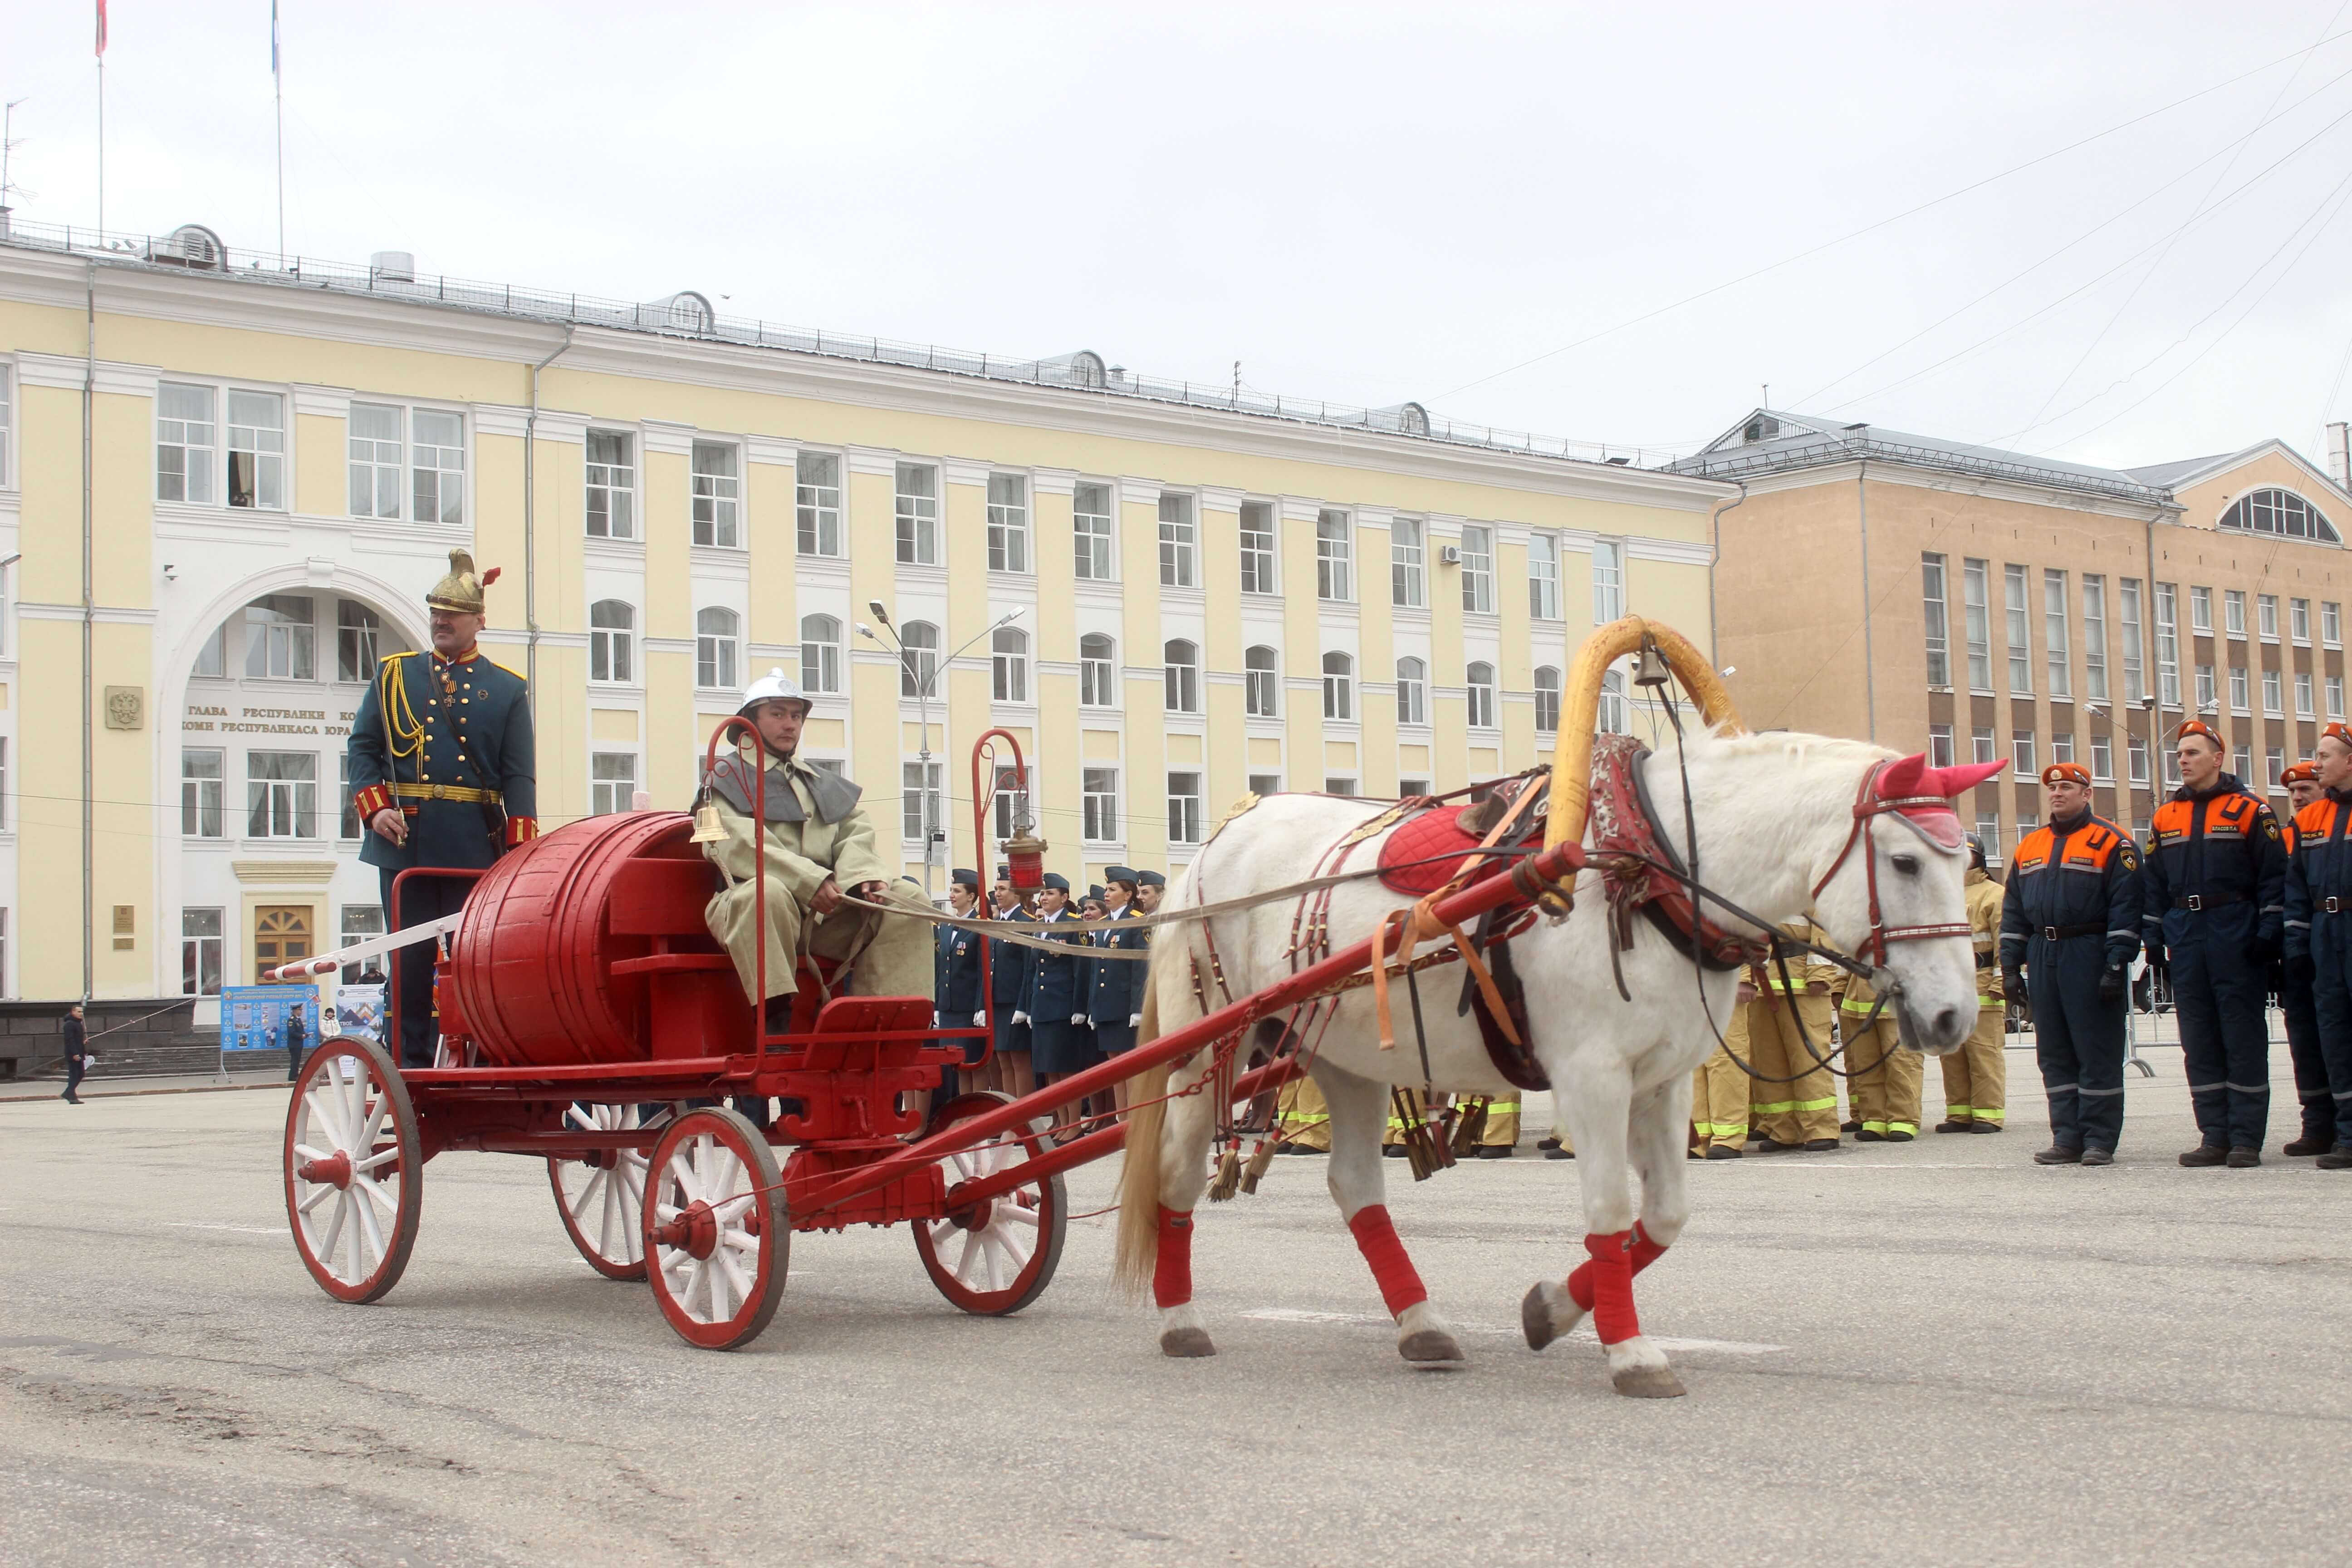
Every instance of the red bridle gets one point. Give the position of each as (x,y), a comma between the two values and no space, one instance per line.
(1868,806)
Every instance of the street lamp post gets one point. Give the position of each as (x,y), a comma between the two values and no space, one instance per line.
(923,681)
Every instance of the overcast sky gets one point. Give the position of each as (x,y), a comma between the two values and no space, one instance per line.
(1366,203)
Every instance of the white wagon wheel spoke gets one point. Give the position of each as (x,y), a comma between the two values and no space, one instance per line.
(1010,1244)
(710,1207)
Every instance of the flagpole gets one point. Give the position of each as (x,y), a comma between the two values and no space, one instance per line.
(102,151)
(279,80)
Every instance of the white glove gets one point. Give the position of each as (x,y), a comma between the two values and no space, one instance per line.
(1020,1017)
(980,1020)
(1078,1018)
(1135,1020)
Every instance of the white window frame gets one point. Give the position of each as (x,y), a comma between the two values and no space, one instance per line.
(2241,689)
(1008,524)
(918,669)
(1094,531)
(1412,690)
(1179,542)
(1098,678)
(1939,746)
(916,514)
(1260,547)
(1478,694)
(718,649)
(293,800)
(1977,602)
(921,811)
(612,782)
(203,811)
(2306,702)
(1099,805)
(2298,618)
(1478,569)
(2128,610)
(2267,617)
(817,506)
(198,945)
(1335,556)
(2233,613)
(382,463)
(1983,747)
(821,653)
(2016,586)
(1608,581)
(2103,760)
(2331,623)
(2201,611)
(1936,617)
(2273,694)
(2056,636)
(2335,688)
(610,508)
(1409,563)
(2022,757)
(1261,682)
(1181,676)
(1340,685)
(716,499)
(2135,758)
(1008,665)
(1543,576)
(2094,637)
(612,648)
(2167,644)
(1183,806)
(1548,682)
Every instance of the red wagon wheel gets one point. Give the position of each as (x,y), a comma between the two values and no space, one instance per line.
(997,1259)
(354,1166)
(601,1198)
(718,1232)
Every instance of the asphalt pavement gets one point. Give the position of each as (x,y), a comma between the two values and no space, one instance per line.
(1933,1354)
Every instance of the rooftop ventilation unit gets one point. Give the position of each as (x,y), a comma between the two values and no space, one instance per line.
(1763,427)
(1405,418)
(393,267)
(191,245)
(1084,368)
(684,312)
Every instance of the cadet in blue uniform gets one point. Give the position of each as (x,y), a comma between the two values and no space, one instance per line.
(1008,993)
(956,976)
(2071,919)
(2213,899)
(1115,1001)
(2292,982)
(442,774)
(1055,1003)
(2319,935)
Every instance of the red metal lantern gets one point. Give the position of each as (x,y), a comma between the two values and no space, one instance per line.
(1024,860)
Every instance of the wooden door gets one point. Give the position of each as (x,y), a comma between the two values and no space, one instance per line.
(281,935)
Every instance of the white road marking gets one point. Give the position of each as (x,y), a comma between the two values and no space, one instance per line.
(245,1230)
(1584,1331)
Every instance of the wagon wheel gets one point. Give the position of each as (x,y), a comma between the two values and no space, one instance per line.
(601,1198)
(717,1229)
(353,1169)
(996,1260)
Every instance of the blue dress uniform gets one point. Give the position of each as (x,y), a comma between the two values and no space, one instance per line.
(1056,993)
(956,979)
(2319,944)
(1008,987)
(448,742)
(2071,917)
(1117,994)
(2213,898)
(2293,983)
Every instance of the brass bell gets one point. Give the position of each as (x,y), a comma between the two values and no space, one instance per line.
(708,829)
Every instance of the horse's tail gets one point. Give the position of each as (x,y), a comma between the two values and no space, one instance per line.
(1139,1178)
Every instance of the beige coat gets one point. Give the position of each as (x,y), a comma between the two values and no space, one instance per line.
(799,856)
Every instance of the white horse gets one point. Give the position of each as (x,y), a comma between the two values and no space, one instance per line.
(1777,818)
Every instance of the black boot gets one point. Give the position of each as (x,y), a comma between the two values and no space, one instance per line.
(2058,1154)
(2205,1154)
(2336,1159)
(2244,1159)
(2309,1143)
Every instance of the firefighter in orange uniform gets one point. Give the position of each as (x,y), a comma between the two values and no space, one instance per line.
(2294,985)
(2319,933)
(1976,1077)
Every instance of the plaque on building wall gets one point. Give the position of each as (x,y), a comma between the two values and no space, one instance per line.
(126,707)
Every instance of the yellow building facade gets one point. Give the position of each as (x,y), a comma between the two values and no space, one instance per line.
(1204,600)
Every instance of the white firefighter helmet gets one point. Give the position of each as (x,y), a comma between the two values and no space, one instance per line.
(773,687)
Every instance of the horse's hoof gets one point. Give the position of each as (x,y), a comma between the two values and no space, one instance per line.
(1431,1347)
(1648,1382)
(1537,1316)
(1187,1341)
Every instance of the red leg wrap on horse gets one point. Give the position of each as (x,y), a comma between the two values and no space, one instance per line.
(1645,1252)
(1172,1278)
(1611,1285)
(1400,1282)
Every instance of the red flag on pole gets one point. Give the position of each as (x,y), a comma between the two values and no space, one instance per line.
(101,29)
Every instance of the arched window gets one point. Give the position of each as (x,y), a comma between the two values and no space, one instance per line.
(612,640)
(919,672)
(717,639)
(1097,671)
(820,655)
(1480,680)
(1011,662)
(1614,718)
(1412,691)
(1262,683)
(1183,660)
(1546,700)
(2281,512)
(1338,686)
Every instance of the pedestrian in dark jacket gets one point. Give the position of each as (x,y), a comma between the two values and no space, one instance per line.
(294,1042)
(77,1056)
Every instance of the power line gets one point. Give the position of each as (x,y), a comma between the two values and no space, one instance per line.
(1897,217)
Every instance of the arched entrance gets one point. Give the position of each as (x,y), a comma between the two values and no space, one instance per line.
(260,710)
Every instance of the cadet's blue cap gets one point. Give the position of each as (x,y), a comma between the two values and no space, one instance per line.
(963,878)
(1058,882)
(1096,893)
(1003,873)
(1119,874)
(1150,879)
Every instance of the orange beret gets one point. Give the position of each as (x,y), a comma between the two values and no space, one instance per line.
(2066,772)
(2299,773)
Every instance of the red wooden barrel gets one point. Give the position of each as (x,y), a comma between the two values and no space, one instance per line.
(534,966)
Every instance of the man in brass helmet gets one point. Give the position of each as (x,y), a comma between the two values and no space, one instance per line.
(818,844)
(443,774)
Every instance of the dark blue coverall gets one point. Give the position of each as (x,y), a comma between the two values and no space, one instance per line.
(2070,915)
(2213,901)
(1117,992)
(2319,935)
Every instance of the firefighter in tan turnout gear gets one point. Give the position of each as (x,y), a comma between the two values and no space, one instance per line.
(1976,1077)
(818,844)
(1800,1112)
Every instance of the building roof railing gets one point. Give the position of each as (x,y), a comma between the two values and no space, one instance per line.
(1812,450)
(193,248)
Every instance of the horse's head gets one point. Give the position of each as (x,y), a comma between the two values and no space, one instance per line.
(1894,897)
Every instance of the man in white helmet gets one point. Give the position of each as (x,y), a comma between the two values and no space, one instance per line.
(819,844)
